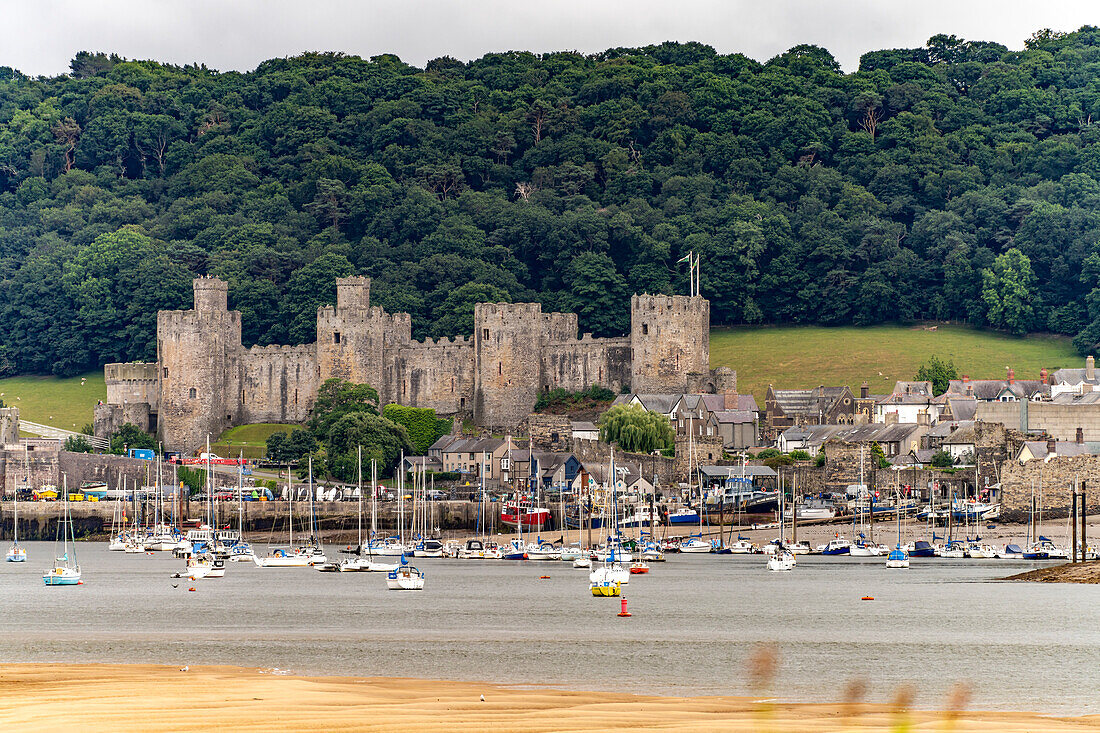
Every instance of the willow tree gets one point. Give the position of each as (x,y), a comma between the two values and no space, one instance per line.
(635,429)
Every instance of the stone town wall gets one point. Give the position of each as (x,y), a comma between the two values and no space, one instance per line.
(700,450)
(1056,480)
(437,374)
(108,418)
(550,432)
(596,453)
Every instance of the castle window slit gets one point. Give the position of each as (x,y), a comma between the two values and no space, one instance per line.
(192,393)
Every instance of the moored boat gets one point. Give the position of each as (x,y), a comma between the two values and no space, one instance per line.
(405,577)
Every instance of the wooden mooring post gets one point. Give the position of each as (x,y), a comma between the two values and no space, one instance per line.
(1073,524)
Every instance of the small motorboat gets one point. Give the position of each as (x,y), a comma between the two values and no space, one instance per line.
(405,577)
(474,550)
(836,546)
(898,558)
(921,548)
(799,548)
(639,567)
(281,558)
(981,551)
(428,548)
(1011,552)
(782,559)
(582,561)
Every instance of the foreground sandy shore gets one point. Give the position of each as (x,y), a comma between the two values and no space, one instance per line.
(144,697)
(1082,572)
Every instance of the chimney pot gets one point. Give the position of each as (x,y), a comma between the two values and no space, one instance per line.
(1043,375)
(864,390)
(1012,376)
(1052,448)
(966,379)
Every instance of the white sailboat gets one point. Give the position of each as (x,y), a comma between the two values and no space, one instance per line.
(16,553)
(782,559)
(66,570)
(284,557)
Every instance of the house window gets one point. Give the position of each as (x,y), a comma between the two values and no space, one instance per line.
(335,337)
(192,393)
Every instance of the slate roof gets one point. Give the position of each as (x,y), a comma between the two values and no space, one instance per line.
(1062,448)
(871,432)
(735,417)
(717,402)
(988,390)
(735,471)
(583,426)
(443,442)
(944,429)
(1069,398)
(1074,376)
(807,401)
(962,408)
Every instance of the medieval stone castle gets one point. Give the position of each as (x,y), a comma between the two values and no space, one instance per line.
(205,381)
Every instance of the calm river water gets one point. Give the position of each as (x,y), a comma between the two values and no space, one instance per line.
(696,620)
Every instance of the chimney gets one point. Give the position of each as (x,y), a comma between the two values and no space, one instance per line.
(864,390)
(731,399)
(1080,436)
(1043,374)
(908,389)
(1011,376)
(969,390)
(1090,368)
(923,418)
(891,418)
(1051,447)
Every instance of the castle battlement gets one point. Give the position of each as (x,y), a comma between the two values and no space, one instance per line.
(205,381)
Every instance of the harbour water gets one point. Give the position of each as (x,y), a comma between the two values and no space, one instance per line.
(696,619)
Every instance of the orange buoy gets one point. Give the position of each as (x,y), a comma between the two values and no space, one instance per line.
(544,577)
(867,598)
(191,588)
(624,613)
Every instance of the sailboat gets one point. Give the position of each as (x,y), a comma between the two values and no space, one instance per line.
(241,551)
(405,577)
(899,556)
(782,559)
(16,553)
(65,571)
(607,579)
(284,557)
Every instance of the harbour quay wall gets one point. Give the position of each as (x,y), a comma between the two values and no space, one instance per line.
(264,521)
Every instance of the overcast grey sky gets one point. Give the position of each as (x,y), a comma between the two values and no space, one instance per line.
(41,36)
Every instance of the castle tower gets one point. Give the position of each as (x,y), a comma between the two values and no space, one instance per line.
(358,343)
(507,361)
(193,353)
(669,340)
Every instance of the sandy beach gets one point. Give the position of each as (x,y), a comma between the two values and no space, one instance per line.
(41,697)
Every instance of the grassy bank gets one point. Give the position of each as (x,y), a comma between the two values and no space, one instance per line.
(63,403)
(806,356)
(252,439)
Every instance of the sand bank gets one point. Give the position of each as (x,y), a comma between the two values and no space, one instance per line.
(1081,572)
(122,698)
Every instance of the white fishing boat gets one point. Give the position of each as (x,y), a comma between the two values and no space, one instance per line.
(781,560)
(66,570)
(405,577)
(204,565)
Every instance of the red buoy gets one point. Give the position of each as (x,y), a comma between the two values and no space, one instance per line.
(623,613)
(191,588)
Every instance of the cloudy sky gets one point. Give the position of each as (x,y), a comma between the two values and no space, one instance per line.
(40,36)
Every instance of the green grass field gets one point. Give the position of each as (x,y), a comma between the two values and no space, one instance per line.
(252,439)
(807,356)
(62,403)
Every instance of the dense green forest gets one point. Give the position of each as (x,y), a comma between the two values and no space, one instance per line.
(956,181)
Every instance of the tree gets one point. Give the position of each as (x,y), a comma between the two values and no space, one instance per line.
(381,439)
(635,429)
(878,456)
(1008,290)
(130,436)
(77,444)
(337,398)
(290,448)
(942,459)
(938,372)
(421,424)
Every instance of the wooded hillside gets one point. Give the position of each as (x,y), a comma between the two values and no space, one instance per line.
(955,181)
